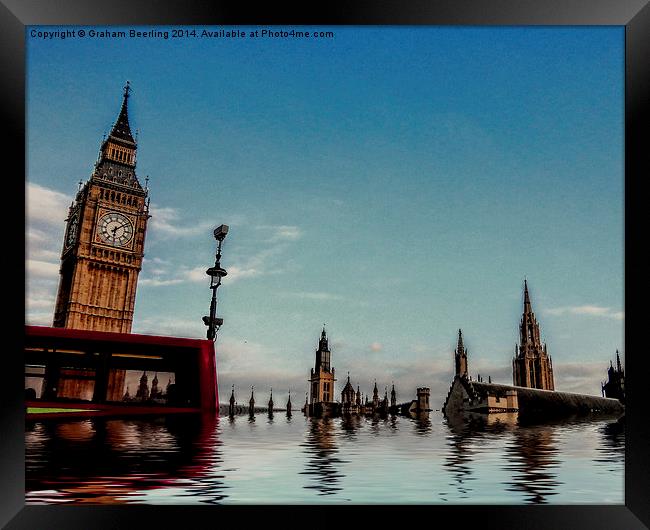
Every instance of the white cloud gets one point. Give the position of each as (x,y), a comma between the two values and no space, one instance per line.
(40,303)
(167,221)
(261,263)
(581,378)
(45,205)
(42,269)
(45,210)
(281,232)
(39,319)
(169,326)
(237,273)
(588,310)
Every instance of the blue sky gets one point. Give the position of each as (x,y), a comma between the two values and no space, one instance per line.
(395,183)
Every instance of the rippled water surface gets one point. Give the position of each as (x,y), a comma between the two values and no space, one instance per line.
(191,459)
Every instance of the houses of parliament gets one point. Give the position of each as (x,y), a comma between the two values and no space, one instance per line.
(531,394)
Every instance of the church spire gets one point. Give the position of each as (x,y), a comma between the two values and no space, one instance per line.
(532,366)
(323,353)
(122,130)
(529,329)
(460,356)
(117,156)
(527,305)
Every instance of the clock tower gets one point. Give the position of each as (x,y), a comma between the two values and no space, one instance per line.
(103,244)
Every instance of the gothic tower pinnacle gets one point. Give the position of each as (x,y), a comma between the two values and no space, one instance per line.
(322,375)
(532,366)
(460,357)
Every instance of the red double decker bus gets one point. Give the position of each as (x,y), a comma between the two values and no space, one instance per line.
(81,372)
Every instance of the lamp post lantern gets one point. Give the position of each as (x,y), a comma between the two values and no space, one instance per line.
(215,273)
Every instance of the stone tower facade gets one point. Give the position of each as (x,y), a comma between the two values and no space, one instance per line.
(423,399)
(532,367)
(103,244)
(322,375)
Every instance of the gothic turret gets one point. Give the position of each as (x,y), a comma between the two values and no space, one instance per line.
(322,379)
(375,396)
(117,154)
(154,387)
(460,357)
(143,390)
(323,354)
(532,366)
(348,394)
(615,385)
(231,407)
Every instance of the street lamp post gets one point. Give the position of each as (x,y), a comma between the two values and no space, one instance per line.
(215,273)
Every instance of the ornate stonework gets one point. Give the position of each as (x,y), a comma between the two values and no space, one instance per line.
(532,367)
(103,245)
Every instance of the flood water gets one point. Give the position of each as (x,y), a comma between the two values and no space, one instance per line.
(298,460)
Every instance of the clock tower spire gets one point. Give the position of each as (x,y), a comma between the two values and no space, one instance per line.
(103,245)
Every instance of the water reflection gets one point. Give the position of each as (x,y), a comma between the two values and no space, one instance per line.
(422,423)
(323,466)
(489,459)
(459,454)
(611,446)
(102,460)
(532,456)
(350,424)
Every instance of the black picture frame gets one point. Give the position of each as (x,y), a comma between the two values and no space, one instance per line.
(633,14)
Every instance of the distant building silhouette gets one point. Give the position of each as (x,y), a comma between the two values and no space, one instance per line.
(231,408)
(460,357)
(348,398)
(615,385)
(155,391)
(251,403)
(143,390)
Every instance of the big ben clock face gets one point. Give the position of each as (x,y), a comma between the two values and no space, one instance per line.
(115,229)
